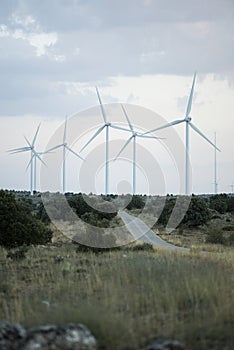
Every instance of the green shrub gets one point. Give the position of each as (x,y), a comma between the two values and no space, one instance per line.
(231,239)
(197,213)
(18,226)
(215,217)
(18,253)
(230,204)
(42,214)
(142,247)
(95,213)
(228,228)
(216,236)
(167,210)
(136,203)
(219,203)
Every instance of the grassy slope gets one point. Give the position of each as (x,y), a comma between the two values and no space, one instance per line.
(126,298)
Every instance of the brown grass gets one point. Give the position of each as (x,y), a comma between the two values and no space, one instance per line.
(127,298)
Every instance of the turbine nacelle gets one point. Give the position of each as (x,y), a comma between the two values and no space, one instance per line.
(133,137)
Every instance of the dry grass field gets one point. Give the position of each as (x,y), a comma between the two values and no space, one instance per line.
(127,297)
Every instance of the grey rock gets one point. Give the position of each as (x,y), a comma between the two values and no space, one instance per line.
(10,335)
(64,337)
(165,345)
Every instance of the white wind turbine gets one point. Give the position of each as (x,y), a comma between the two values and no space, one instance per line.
(133,138)
(187,121)
(65,149)
(106,125)
(34,155)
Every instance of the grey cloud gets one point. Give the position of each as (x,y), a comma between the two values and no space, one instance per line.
(62,15)
(102,39)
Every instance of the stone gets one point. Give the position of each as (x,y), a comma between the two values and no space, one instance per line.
(160,344)
(10,335)
(63,337)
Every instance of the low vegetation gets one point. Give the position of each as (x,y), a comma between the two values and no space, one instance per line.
(126,296)
(18,226)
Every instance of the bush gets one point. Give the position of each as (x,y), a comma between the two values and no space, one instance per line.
(136,203)
(197,213)
(166,212)
(18,226)
(142,247)
(216,236)
(42,214)
(95,212)
(215,217)
(219,203)
(231,239)
(228,228)
(230,204)
(18,254)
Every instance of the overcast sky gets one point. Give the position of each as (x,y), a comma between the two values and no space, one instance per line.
(144,52)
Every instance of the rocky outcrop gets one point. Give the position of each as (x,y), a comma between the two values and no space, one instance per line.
(64,337)
(10,335)
(165,345)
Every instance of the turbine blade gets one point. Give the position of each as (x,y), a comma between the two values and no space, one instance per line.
(101,105)
(202,135)
(15,152)
(65,130)
(29,144)
(124,146)
(93,137)
(37,155)
(128,120)
(53,148)
(190,100)
(150,137)
(29,163)
(35,136)
(76,154)
(45,152)
(119,128)
(21,149)
(175,122)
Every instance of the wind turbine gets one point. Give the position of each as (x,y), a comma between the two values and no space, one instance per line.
(133,138)
(187,120)
(106,125)
(65,149)
(34,155)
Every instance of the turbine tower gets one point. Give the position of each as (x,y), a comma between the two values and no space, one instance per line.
(34,155)
(33,160)
(187,120)
(215,167)
(65,149)
(106,125)
(133,139)
(232,187)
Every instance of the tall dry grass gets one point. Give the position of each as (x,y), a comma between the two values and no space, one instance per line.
(127,298)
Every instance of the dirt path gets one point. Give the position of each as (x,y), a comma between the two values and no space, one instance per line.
(143,233)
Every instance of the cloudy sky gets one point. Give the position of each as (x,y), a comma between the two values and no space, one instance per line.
(142,52)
